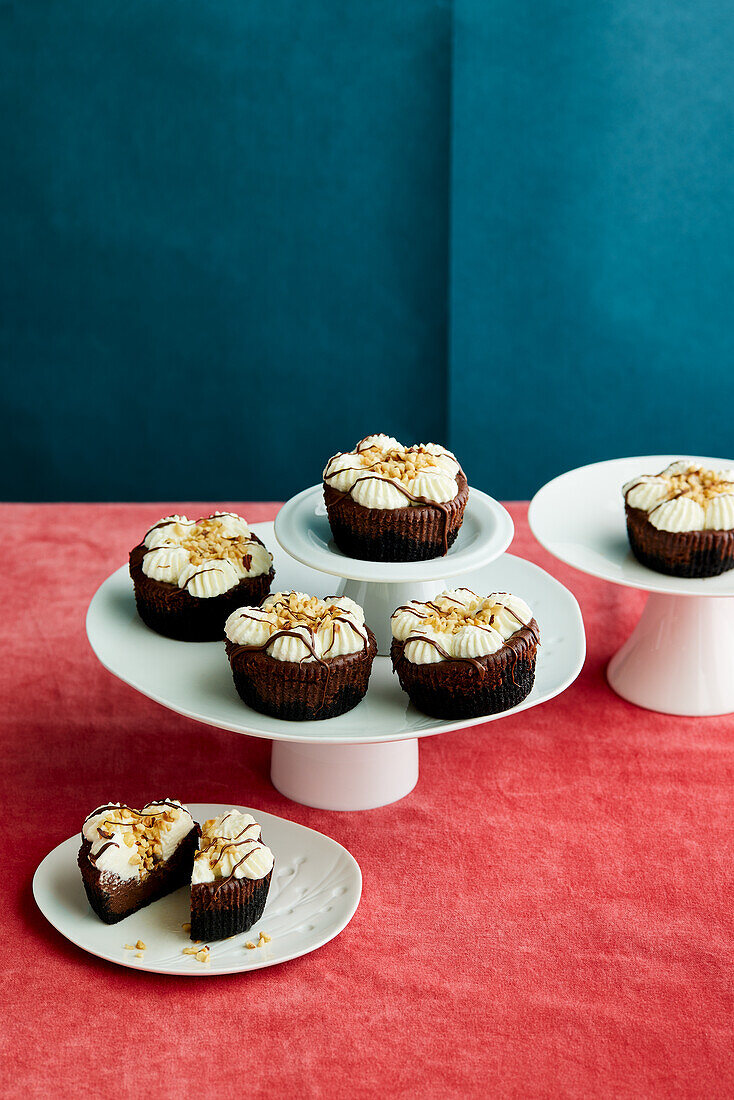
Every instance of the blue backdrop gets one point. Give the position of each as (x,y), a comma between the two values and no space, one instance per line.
(237,236)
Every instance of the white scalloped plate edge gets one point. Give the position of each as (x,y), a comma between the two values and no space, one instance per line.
(315,892)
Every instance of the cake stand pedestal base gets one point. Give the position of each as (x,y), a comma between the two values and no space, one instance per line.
(679,659)
(345,777)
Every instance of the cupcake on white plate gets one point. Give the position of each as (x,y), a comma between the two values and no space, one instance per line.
(462,655)
(300,657)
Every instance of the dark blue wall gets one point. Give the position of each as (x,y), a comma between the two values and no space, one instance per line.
(229,244)
(592,251)
(224,250)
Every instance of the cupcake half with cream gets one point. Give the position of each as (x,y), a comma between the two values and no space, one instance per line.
(387,502)
(189,575)
(462,655)
(129,858)
(681,520)
(231,877)
(300,657)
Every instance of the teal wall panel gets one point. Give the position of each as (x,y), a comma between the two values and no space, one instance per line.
(592,248)
(224,241)
(237,236)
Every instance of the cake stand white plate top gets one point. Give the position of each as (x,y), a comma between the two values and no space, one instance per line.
(302,529)
(194,679)
(679,658)
(579,518)
(314,893)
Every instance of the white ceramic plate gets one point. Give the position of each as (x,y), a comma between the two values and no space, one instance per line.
(314,893)
(579,518)
(302,529)
(193,678)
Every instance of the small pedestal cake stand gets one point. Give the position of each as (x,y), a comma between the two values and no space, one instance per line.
(369,756)
(680,656)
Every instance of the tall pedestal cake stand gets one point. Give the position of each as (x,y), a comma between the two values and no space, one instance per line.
(680,656)
(369,756)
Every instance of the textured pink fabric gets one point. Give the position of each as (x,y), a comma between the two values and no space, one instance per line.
(549,913)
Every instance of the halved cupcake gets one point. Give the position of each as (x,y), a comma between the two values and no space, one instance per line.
(387,502)
(231,877)
(300,657)
(681,521)
(130,858)
(189,575)
(462,655)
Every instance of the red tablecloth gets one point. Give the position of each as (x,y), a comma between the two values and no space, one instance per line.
(548,913)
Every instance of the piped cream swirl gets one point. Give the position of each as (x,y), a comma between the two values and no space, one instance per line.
(231,847)
(458,624)
(205,557)
(127,843)
(292,626)
(684,497)
(381,473)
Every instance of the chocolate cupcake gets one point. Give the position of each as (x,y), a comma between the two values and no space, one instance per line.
(386,502)
(299,657)
(130,858)
(681,521)
(189,575)
(463,655)
(231,877)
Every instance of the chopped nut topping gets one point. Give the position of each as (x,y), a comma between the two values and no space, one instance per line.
(400,464)
(186,927)
(250,946)
(203,955)
(129,946)
(698,484)
(205,542)
(292,609)
(142,833)
(139,955)
(140,945)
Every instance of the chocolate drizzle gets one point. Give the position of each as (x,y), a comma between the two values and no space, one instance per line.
(296,631)
(428,608)
(110,844)
(385,456)
(255,843)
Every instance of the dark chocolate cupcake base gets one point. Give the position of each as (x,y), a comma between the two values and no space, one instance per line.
(301,692)
(113,898)
(679,553)
(395,534)
(226,907)
(173,612)
(456,689)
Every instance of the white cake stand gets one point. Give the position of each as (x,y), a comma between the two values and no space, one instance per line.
(362,759)
(680,656)
(302,529)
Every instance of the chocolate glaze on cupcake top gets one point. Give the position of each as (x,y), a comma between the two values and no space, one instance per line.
(459,625)
(292,626)
(382,473)
(129,843)
(231,848)
(684,497)
(205,557)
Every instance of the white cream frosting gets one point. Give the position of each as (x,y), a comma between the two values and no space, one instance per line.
(292,626)
(381,473)
(685,497)
(458,624)
(205,557)
(108,827)
(231,846)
